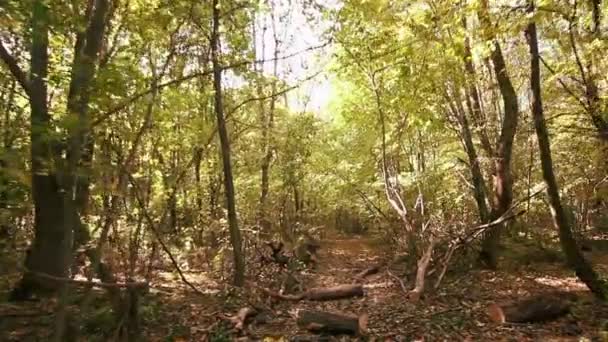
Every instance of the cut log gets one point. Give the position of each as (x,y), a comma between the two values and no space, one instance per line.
(331,323)
(540,308)
(335,292)
(367,272)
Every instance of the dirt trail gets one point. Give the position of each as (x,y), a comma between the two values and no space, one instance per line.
(341,258)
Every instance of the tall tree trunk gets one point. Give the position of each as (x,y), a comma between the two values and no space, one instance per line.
(43,255)
(503,182)
(235,234)
(473,99)
(479,185)
(268,123)
(53,178)
(575,258)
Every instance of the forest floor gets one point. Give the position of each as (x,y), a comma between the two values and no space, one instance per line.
(454,312)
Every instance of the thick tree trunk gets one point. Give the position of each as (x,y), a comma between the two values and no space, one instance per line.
(575,258)
(43,256)
(503,182)
(235,234)
(56,213)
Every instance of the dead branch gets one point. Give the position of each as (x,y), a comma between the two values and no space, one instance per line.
(423,264)
(398,279)
(367,272)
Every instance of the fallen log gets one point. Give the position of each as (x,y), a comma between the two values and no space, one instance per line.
(367,272)
(334,292)
(331,323)
(540,308)
(319,293)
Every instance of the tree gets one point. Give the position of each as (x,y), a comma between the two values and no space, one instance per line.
(235,234)
(502,178)
(54,178)
(575,259)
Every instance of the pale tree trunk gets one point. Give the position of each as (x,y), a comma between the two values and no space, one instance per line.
(235,234)
(503,183)
(268,123)
(575,258)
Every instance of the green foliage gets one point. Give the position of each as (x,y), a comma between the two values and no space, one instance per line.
(101,321)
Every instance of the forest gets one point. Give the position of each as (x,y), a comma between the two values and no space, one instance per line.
(303,170)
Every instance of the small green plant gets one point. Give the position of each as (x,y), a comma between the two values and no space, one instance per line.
(220,334)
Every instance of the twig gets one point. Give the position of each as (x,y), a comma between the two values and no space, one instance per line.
(398,279)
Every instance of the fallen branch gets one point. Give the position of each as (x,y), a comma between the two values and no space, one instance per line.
(446,263)
(398,279)
(367,272)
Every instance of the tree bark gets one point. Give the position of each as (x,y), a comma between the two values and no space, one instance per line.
(235,234)
(575,258)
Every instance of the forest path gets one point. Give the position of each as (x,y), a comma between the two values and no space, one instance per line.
(341,258)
